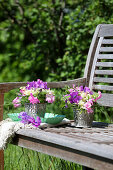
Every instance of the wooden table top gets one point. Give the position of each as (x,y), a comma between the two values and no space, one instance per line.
(91,147)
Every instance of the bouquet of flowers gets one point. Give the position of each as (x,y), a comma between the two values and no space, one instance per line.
(34,92)
(80,97)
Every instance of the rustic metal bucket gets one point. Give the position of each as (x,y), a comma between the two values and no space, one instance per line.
(82,118)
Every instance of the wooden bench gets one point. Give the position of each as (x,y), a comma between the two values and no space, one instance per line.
(92,147)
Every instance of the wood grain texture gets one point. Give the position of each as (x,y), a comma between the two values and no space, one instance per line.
(103,80)
(106,30)
(104,64)
(106,100)
(104,72)
(5,87)
(1,118)
(105,56)
(103,87)
(91,54)
(61,84)
(91,147)
(107,41)
(1,160)
(94,62)
(106,49)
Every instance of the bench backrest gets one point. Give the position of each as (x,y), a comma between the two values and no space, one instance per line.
(99,65)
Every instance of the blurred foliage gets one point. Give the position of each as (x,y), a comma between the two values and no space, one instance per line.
(48,39)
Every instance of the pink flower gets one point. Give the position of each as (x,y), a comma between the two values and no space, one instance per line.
(100,95)
(22,91)
(50,98)
(17,105)
(16,102)
(88,105)
(70,90)
(90,110)
(33,100)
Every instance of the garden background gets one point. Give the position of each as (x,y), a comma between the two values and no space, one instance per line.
(49,40)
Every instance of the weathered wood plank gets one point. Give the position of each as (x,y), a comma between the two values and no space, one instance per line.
(106,49)
(106,100)
(61,84)
(106,30)
(103,87)
(94,62)
(103,80)
(104,64)
(104,72)
(66,153)
(1,118)
(105,56)
(107,41)
(64,141)
(5,87)
(2,160)
(91,54)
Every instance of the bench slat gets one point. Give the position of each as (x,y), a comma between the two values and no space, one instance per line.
(107,41)
(103,80)
(106,30)
(106,49)
(103,87)
(104,64)
(106,100)
(105,56)
(104,72)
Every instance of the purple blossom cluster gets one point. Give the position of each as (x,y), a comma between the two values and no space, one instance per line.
(82,97)
(34,92)
(26,119)
(74,97)
(36,84)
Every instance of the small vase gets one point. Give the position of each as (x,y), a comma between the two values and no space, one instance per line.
(82,118)
(35,110)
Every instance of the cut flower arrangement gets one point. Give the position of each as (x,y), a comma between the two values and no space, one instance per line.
(35,92)
(80,97)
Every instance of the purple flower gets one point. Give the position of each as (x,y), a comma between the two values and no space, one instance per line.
(26,119)
(36,84)
(87,89)
(74,97)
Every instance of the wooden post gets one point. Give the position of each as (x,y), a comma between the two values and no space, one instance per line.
(1,118)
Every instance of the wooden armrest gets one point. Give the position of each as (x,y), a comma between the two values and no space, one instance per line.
(61,84)
(5,87)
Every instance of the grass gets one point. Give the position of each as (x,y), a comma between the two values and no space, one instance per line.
(17,158)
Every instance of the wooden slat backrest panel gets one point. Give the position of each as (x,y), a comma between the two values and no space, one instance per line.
(101,71)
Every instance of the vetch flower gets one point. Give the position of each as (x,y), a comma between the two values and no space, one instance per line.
(26,119)
(34,92)
(50,98)
(81,97)
(16,102)
(33,99)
